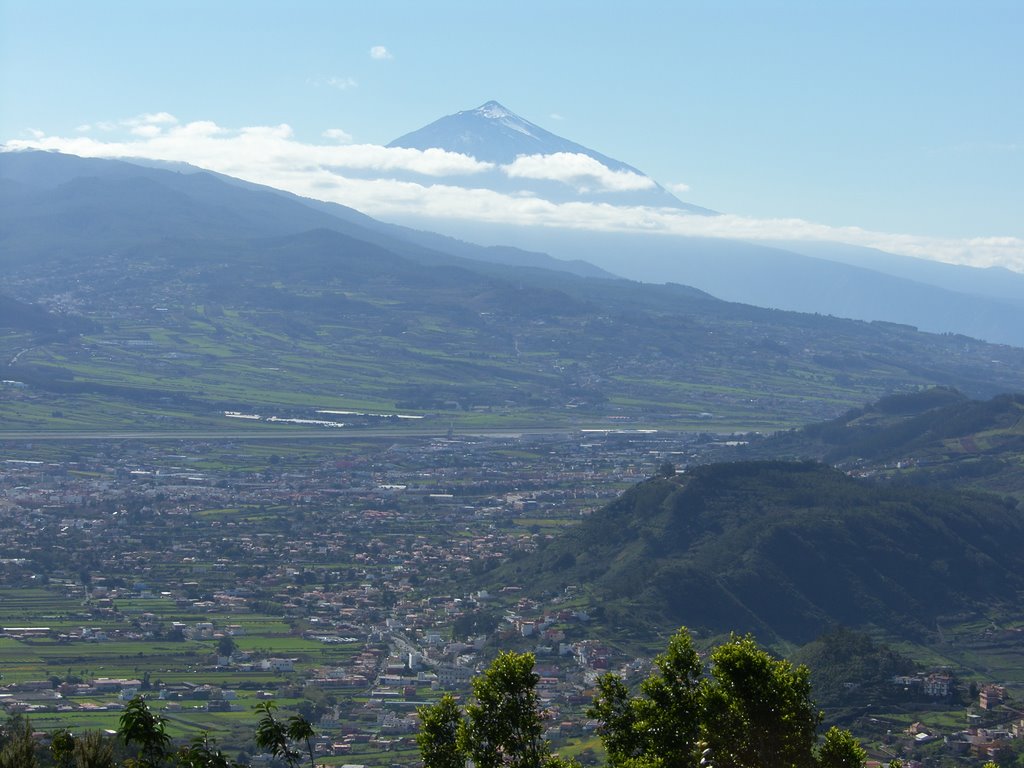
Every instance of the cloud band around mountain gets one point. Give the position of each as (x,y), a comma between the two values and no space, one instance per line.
(434,183)
(580,171)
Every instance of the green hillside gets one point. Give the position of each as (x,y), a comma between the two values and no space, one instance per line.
(785,550)
(934,437)
(183,297)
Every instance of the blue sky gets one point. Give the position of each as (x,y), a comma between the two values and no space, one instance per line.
(904,118)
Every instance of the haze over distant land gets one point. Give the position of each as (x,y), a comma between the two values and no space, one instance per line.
(553,189)
(845,124)
(492,177)
(211,299)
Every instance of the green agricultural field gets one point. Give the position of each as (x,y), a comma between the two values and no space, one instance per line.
(433,353)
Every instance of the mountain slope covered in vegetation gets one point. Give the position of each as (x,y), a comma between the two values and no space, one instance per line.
(785,550)
(933,437)
(205,297)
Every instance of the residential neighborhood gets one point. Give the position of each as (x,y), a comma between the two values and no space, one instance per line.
(356,560)
(349,585)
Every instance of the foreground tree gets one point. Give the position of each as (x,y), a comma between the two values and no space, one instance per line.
(203,753)
(18,746)
(438,737)
(841,750)
(753,711)
(301,730)
(758,711)
(144,732)
(621,730)
(140,726)
(62,747)
(276,736)
(664,722)
(93,749)
(502,726)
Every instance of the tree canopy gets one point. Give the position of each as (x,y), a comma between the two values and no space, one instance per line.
(751,710)
(142,734)
(744,708)
(501,726)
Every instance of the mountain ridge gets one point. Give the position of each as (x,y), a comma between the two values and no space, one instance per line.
(237,299)
(937,437)
(267,211)
(768,275)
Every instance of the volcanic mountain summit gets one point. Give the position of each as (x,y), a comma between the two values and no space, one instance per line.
(494,134)
(528,158)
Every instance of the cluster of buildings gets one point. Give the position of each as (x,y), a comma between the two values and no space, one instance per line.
(369,549)
(380,549)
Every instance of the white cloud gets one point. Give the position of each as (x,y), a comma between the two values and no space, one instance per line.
(154,118)
(678,188)
(380,53)
(337,134)
(556,116)
(342,83)
(271,132)
(272,155)
(581,171)
(261,153)
(197,129)
(146,125)
(147,130)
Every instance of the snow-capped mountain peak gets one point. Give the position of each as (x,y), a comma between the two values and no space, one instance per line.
(533,160)
(495,134)
(494,111)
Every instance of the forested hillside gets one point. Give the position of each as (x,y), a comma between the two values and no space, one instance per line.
(935,437)
(785,550)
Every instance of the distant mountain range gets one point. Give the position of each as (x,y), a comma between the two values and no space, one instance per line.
(53,202)
(168,298)
(819,277)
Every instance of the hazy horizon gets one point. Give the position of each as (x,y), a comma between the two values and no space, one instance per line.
(879,126)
